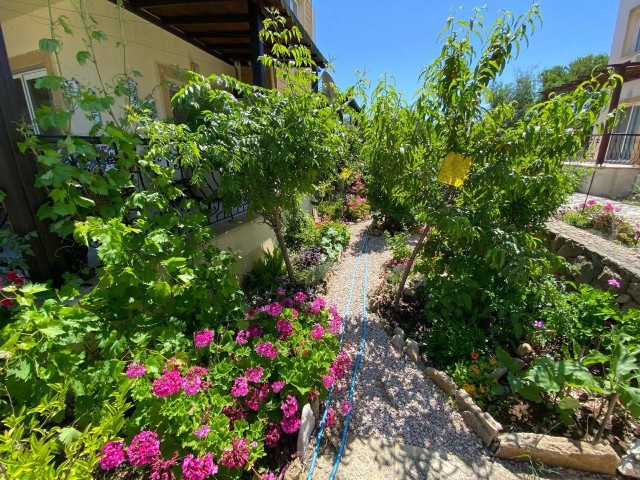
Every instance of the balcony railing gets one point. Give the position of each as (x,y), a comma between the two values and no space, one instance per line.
(623,149)
(205,193)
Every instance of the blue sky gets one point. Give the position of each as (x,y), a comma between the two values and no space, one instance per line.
(399,37)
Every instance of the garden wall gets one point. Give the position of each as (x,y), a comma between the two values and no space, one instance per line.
(609,180)
(597,260)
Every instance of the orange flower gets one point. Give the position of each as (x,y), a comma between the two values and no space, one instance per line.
(474,355)
(492,361)
(475,368)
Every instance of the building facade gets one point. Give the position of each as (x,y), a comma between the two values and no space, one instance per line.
(157,39)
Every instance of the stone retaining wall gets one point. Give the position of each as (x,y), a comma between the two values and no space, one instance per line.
(597,261)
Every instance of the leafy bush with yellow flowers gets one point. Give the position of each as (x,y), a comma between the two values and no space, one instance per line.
(475,376)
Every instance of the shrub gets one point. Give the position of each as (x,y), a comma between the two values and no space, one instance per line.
(265,272)
(300,230)
(398,243)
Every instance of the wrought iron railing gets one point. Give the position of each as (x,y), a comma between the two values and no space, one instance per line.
(205,192)
(623,149)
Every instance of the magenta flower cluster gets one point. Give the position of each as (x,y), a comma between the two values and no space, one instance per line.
(317,331)
(237,456)
(198,468)
(135,369)
(267,349)
(171,382)
(290,422)
(203,338)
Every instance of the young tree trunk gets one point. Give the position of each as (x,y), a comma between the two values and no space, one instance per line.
(277,228)
(405,274)
(613,400)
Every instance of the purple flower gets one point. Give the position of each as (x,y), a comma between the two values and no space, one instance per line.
(335,325)
(254,331)
(162,469)
(332,418)
(317,332)
(539,324)
(281,291)
(285,328)
(203,339)
(242,337)
(268,476)
(277,385)
(267,349)
(290,424)
(203,431)
(274,309)
(198,468)
(299,297)
(290,406)
(240,387)
(272,434)
(144,448)
(237,456)
(614,282)
(254,374)
(135,369)
(167,384)
(317,305)
(112,455)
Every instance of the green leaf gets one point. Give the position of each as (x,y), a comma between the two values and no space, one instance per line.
(50,45)
(50,81)
(83,57)
(68,435)
(98,35)
(630,398)
(51,332)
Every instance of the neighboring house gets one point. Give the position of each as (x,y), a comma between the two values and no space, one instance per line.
(161,38)
(616,152)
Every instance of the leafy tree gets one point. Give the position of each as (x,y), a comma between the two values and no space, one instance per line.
(269,146)
(579,69)
(515,179)
(523,91)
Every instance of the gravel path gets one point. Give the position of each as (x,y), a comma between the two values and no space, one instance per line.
(401,426)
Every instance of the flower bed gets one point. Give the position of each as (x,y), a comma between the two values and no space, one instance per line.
(604,220)
(232,404)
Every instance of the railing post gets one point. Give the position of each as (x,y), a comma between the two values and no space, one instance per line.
(613,104)
(17,181)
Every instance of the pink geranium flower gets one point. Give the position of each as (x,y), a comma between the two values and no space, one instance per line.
(112,455)
(144,448)
(203,338)
(198,468)
(135,369)
(267,349)
(317,332)
(167,384)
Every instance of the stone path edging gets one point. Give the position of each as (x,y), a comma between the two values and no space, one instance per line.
(546,449)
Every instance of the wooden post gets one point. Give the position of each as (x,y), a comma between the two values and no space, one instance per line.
(257,47)
(17,173)
(613,104)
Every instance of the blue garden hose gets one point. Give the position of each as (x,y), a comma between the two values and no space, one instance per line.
(364,250)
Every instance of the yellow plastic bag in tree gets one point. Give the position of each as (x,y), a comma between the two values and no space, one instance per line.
(454,169)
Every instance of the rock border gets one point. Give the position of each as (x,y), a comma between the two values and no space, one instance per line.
(523,447)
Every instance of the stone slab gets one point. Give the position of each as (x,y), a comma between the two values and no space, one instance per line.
(558,452)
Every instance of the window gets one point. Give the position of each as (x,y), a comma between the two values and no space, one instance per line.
(31,98)
(293,5)
(624,144)
(178,114)
(632,42)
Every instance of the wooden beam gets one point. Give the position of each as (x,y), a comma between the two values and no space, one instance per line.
(257,47)
(17,177)
(219,34)
(229,46)
(171,3)
(613,104)
(208,19)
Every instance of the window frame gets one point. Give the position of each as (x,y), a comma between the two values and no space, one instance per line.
(24,77)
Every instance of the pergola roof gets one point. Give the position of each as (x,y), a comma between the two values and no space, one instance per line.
(629,71)
(218,27)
